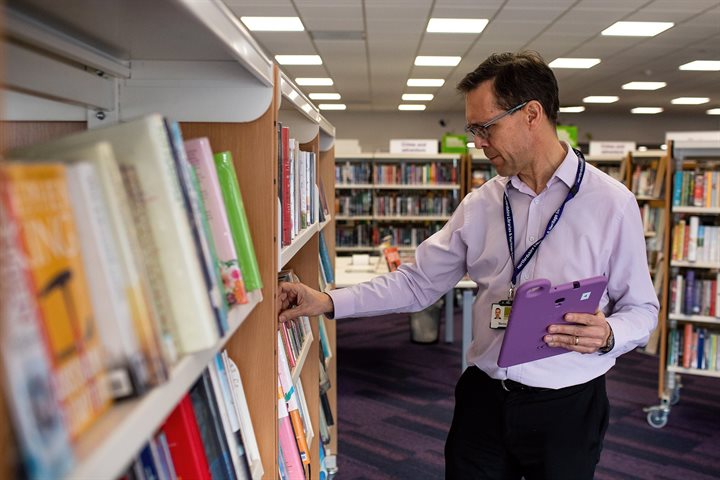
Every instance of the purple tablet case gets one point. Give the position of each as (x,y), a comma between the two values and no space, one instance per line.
(537,305)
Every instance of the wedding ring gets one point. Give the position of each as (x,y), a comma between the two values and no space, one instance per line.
(577,339)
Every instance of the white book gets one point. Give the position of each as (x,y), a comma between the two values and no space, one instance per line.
(679,294)
(243,412)
(105,279)
(143,151)
(236,459)
(692,238)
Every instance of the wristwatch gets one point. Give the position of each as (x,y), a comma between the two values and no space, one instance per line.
(610,342)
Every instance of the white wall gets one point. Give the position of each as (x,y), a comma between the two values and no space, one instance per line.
(375,129)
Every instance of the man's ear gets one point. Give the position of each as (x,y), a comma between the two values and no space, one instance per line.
(534,112)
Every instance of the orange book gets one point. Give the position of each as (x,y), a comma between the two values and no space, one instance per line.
(39,197)
(392,257)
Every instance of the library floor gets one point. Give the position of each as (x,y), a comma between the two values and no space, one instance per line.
(395,401)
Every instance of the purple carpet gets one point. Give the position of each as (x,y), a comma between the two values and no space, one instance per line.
(395,402)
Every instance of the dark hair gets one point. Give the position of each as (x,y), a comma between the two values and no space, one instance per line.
(518,77)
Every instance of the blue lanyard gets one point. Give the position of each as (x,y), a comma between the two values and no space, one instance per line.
(510,227)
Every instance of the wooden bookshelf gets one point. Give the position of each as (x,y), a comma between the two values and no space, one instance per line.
(210,75)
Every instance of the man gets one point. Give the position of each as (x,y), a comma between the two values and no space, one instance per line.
(546,215)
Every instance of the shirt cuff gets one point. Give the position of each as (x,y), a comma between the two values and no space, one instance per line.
(343,302)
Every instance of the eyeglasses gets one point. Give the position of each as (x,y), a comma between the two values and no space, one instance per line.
(483,131)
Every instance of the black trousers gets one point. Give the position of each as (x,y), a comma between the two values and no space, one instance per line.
(501,435)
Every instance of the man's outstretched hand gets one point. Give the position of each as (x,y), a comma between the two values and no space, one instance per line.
(297,300)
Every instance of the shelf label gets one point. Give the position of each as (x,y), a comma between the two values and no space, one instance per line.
(611,148)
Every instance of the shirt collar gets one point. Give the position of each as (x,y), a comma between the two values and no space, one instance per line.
(566,172)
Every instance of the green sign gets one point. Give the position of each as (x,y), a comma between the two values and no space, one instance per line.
(453,143)
(568,133)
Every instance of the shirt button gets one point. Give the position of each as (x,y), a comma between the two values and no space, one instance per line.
(536,201)
(532,239)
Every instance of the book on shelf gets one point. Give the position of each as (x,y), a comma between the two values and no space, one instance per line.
(144,154)
(185,442)
(144,351)
(29,380)
(290,395)
(212,433)
(243,413)
(289,454)
(237,219)
(285,183)
(327,268)
(392,258)
(199,228)
(229,422)
(200,157)
(37,194)
(164,457)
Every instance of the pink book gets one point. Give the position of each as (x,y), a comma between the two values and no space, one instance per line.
(200,157)
(286,438)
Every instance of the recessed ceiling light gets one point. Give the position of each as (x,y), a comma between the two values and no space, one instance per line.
(644,85)
(436,61)
(425,82)
(574,62)
(713,111)
(411,107)
(314,82)
(646,110)
(457,25)
(577,109)
(702,65)
(601,99)
(689,100)
(417,97)
(636,29)
(324,96)
(298,59)
(273,24)
(332,106)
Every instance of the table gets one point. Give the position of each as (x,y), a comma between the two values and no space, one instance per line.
(347,275)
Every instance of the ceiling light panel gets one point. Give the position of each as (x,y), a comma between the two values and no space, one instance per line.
(636,29)
(436,61)
(425,82)
(577,109)
(574,62)
(601,99)
(417,97)
(324,96)
(646,110)
(298,59)
(273,24)
(311,82)
(457,25)
(702,65)
(689,100)
(332,106)
(713,111)
(644,85)
(410,106)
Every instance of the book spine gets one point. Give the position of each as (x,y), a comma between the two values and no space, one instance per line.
(237,219)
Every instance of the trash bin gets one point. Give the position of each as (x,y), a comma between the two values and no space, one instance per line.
(425,325)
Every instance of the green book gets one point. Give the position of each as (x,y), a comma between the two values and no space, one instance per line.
(238,220)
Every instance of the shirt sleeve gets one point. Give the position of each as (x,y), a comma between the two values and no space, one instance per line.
(440,261)
(630,287)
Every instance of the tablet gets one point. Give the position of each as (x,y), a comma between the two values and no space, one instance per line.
(537,305)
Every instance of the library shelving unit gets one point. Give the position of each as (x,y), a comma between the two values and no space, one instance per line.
(408,196)
(613,165)
(478,170)
(690,324)
(194,62)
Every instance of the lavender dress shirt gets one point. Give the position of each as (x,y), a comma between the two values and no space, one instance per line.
(599,233)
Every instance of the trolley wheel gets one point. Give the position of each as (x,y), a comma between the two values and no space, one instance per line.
(657,418)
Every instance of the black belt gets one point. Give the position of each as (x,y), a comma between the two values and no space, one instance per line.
(513,386)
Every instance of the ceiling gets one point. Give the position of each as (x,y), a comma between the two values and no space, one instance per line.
(368,47)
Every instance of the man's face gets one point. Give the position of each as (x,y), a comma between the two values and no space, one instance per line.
(506,139)
(497,313)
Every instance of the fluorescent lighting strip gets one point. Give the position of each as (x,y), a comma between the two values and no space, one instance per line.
(644,85)
(636,29)
(577,109)
(646,110)
(689,100)
(411,107)
(436,61)
(425,82)
(417,97)
(298,59)
(601,99)
(324,96)
(713,111)
(332,106)
(574,62)
(314,82)
(702,66)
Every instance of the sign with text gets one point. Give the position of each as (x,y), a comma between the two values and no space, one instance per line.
(413,146)
(611,148)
